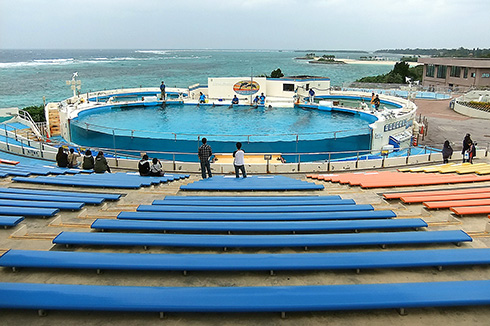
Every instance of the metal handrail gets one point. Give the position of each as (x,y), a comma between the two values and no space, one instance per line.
(26,116)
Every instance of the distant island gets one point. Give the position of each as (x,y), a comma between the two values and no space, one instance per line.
(461,52)
(334,51)
(324,59)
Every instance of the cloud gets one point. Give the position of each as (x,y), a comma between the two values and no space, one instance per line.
(287,24)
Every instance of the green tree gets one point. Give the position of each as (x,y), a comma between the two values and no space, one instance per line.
(277,73)
(36,112)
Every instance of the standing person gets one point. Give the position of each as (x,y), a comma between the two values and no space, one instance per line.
(377,102)
(100,165)
(144,166)
(73,158)
(312,95)
(239,161)
(447,152)
(162,91)
(88,160)
(471,151)
(156,169)
(204,152)
(62,158)
(262,99)
(466,144)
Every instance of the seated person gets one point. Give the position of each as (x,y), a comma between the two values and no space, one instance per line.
(73,158)
(88,160)
(62,158)
(100,165)
(156,169)
(144,166)
(202,98)
(234,100)
(256,101)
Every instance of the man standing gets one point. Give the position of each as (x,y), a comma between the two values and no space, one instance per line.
(239,161)
(312,95)
(162,91)
(204,152)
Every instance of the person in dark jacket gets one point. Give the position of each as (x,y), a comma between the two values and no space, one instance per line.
(100,165)
(88,160)
(447,152)
(62,158)
(466,144)
(144,166)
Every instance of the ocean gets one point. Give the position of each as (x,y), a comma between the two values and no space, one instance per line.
(28,75)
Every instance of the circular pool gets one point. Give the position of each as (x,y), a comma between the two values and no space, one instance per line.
(179,128)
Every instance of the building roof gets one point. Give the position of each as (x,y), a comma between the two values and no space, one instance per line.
(463,62)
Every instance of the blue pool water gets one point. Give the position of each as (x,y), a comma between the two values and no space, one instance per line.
(238,123)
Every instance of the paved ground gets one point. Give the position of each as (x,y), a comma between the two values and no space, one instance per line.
(445,123)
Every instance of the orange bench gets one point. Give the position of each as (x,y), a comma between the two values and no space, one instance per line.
(456,203)
(471,210)
(432,180)
(419,199)
(396,195)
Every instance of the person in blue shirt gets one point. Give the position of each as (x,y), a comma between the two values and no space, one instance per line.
(234,100)
(162,91)
(262,99)
(256,101)
(312,95)
(202,98)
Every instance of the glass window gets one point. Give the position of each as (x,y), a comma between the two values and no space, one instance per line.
(441,71)
(430,71)
(455,71)
(288,87)
(465,72)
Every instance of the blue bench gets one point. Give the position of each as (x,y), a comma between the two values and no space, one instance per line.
(259,241)
(77,183)
(9,221)
(14,172)
(86,200)
(245,262)
(196,216)
(74,206)
(243,299)
(252,183)
(60,193)
(254,203)
(289,226)
(28,211)
(258,209)
(290,199)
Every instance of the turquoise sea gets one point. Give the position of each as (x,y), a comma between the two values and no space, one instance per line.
(28,75)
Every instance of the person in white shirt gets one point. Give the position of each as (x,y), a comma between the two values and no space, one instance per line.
(238,162)
(156,169)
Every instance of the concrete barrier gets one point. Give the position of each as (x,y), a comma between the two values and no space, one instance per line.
(395,161)
(416,159)
(343,166)
(370,164)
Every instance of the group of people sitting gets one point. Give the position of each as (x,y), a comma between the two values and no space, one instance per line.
(70,160)
(153,169)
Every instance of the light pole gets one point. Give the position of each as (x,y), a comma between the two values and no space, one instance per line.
(75,84)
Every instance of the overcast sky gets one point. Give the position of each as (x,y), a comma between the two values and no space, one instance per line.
(245,24)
